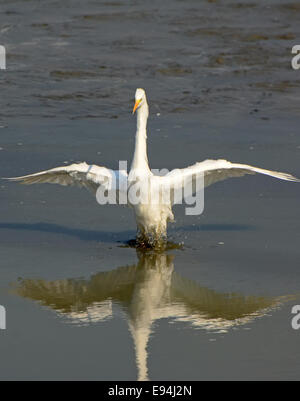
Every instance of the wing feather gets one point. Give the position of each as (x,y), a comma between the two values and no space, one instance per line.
(82,175)
(214,171)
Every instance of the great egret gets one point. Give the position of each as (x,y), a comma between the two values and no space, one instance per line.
(151,215)
(147,292)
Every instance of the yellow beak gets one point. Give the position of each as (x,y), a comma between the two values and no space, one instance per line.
(136,105)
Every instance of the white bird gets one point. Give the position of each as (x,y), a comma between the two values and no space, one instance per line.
(147,292)
(152,215)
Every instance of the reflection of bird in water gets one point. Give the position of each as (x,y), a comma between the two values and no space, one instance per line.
(147,291)
(157,194)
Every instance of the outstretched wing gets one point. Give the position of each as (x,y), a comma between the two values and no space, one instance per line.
(83,175)
(77,295)
(214,171)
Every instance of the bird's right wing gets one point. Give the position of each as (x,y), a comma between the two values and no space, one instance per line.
(83,175)
(76,295)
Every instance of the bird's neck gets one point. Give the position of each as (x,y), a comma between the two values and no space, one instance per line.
(140,159)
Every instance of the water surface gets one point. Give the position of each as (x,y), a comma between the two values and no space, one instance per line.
(79,304)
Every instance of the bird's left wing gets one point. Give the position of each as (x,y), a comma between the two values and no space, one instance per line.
(83,175)
(213,171)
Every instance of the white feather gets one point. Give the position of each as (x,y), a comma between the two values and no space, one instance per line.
(151,216)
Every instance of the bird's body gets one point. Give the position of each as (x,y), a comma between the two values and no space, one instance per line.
(150,196)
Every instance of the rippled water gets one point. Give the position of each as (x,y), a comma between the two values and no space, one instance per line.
(80,304)
(75,60)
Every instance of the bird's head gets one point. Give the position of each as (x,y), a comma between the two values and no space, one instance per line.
(140,99)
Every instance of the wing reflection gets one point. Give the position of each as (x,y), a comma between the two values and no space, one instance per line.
(147,291)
